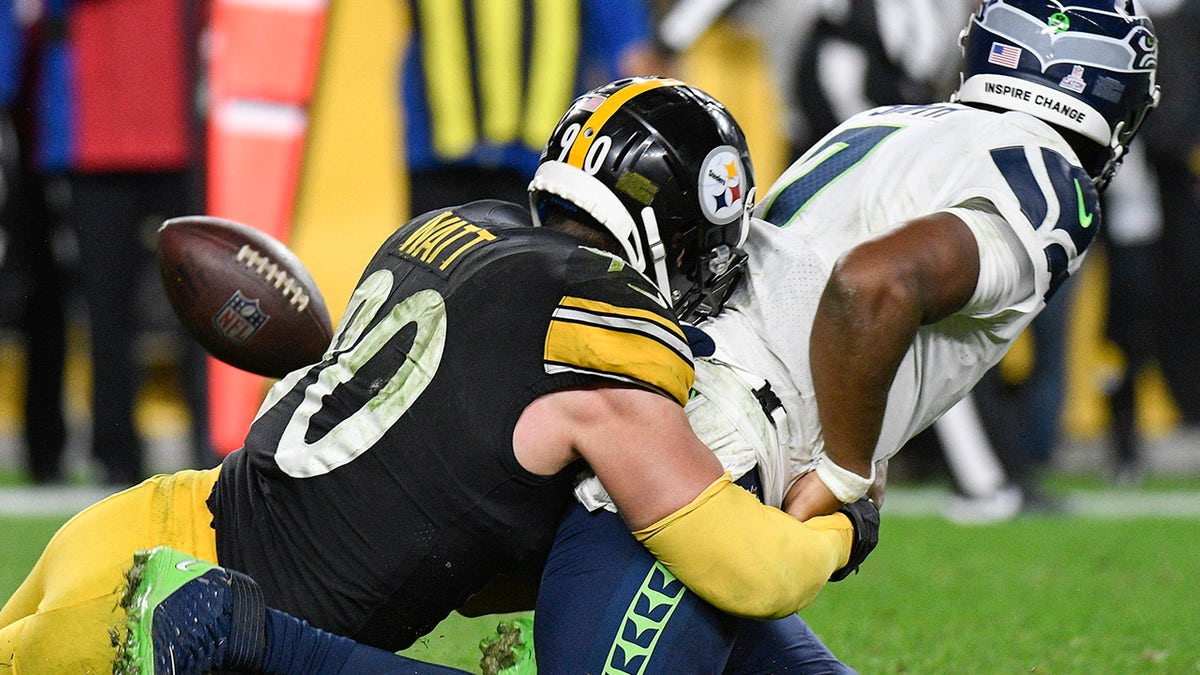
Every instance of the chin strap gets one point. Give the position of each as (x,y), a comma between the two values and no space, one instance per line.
(1111,166)
(747,211)
(656,263)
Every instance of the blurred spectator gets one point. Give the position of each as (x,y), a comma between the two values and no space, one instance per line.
(483,86)
(985,489)
(1152,240)
(1131,234)
(115,116)
(1021,406)
(32,279)
(1173,145)
(865,53)
(744,53)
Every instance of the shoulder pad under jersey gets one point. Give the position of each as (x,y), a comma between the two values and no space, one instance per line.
(613,322)
(1057,199)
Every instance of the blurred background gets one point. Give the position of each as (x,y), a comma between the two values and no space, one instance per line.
(327,124)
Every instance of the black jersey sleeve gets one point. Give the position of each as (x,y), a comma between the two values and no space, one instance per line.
(613,322)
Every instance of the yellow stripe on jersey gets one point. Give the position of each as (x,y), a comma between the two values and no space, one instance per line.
(627,344)
(448,77)
(588,134)
(607,308)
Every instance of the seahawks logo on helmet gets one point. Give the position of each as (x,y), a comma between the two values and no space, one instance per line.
(1145,47)
(1086,66)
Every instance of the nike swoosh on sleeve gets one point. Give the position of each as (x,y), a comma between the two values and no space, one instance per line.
(1085,218)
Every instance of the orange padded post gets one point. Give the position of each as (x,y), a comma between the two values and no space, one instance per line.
(264,60)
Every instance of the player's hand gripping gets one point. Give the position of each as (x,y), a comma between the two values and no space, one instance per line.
(865,518)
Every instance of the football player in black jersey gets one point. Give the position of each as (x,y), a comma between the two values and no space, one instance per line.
(480,364)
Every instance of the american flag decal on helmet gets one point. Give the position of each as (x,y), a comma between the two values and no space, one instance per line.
(1004,55)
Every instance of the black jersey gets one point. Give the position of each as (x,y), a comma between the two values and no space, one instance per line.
(378,489)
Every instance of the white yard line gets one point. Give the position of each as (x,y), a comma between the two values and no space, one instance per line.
(65,501)
(1126,503)
(49,500)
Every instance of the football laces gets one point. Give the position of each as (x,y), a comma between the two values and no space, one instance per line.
(268,269)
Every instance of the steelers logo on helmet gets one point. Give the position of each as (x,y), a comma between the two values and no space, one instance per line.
(664,168)
(722,188)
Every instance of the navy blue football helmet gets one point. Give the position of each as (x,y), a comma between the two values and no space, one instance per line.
(666,170)
(1086,66)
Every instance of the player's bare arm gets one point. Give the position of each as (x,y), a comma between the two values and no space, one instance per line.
(878,296)
(637,441)
(741,556)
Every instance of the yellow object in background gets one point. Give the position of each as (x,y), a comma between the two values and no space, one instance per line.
(352,188)
(1093,362)
(731,65)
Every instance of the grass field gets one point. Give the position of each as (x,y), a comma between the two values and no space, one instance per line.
(1045,594)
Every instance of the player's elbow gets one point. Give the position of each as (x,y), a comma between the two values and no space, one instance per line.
(862,290)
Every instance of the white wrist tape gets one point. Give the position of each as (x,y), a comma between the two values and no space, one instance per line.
(846,485)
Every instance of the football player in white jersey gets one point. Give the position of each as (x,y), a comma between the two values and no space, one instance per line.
(943,230)
(890,267)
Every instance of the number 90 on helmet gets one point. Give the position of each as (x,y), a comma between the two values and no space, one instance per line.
(1086,66)
(665,169)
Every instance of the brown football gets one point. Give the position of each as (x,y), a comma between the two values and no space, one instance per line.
(243,295)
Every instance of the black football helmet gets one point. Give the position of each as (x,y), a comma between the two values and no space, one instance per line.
(665,169)
(1087,66)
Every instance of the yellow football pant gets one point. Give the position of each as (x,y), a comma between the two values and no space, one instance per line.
(60,619)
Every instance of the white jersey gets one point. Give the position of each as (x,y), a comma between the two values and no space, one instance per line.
(1011,178)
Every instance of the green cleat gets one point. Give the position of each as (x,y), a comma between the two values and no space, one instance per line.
(180,616)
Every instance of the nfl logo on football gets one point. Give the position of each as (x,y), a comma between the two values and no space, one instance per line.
(239,318)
